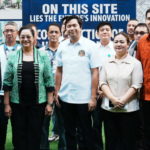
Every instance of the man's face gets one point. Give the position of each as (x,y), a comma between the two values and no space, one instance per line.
(139,32)
(148,20)
(104,32)
(53,34)
(73,29)
(10,33)
(130,27)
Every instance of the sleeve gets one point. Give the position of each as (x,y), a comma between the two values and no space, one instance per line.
(8,75)
(48,75)
(103,77)
(59,57)
(137,76)
(95,57)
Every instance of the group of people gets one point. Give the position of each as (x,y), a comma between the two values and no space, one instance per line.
(79,83)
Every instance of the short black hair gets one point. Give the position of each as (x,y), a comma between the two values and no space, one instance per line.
(101,24)
(64,19)
(148,11)
(132,20)
(142,25)
(79,20)
(26,28)
(31,25)
(54,24)
(125,35)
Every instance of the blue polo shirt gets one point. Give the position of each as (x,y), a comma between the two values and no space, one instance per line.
(77,60)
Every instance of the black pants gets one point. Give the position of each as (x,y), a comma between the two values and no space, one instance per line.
(146,124)
(45,133)
(27,125)
(121,130)
(3,124)
(77,116)
(97,116)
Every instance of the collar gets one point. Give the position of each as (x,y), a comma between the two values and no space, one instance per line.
(109,45)
(79,42)
(126,60)
(48,49)
(6,47)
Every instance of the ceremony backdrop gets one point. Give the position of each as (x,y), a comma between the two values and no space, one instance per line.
(44,12)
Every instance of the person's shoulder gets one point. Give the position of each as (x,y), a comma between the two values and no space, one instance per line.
(65,42)
(43,48)
(143,38)
(13,55)
(63,45)
(42,53)
(134,60)
(88,41)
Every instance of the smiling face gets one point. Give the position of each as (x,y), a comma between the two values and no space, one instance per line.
(26,38)
(104,33)
(10,33)
(73,29)
(130,26)
(121,45)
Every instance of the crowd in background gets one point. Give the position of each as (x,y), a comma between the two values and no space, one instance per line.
(80,86)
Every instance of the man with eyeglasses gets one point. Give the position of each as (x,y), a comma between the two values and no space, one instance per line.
(139,30)
(10,34)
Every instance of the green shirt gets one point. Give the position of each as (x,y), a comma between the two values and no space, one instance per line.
(43,75)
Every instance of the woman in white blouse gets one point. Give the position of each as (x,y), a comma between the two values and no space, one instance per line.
(120,80)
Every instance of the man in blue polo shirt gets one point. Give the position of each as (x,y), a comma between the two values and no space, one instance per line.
(76,83)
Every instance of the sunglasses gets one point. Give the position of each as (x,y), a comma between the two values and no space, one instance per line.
(141,33)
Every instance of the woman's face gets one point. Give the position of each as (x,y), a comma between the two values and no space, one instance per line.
(26,38)
(120,45)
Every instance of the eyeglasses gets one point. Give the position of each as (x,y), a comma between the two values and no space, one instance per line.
(7,31)
(141,33)
(23,37)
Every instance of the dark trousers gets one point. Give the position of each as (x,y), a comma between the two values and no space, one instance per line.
(121,130)
(77,115)
(146,124)
(3,125)
(59,128)
(27,125)
(45,133)
(97,116)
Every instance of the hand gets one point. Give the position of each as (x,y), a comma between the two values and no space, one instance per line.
(123,101)
(117,103)
(48,110)
(100,93)
(56,99)
(8,111)
(92,104)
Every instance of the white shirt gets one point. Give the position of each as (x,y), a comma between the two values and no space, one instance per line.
(105,51)
(76,61)
(120,75)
